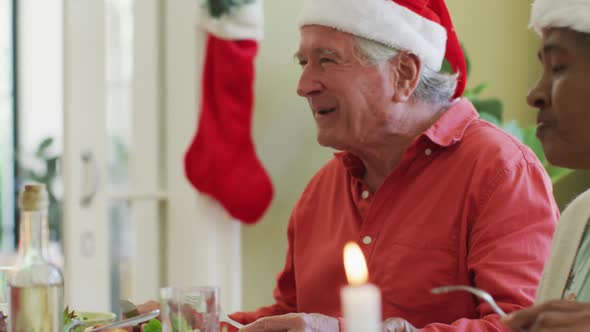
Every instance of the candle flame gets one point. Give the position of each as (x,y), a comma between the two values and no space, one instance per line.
(355,265)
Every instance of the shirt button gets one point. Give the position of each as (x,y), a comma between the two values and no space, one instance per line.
(367,240)
(428,152)
(365,194)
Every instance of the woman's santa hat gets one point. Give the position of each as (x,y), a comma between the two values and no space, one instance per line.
(423,27)
(572,14)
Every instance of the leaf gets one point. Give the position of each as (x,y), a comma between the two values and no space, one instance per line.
(153,325)
(490,118)
(492,106)
(128,308)
(69,315)
(479,89)
(446,67)
(513,128)
(51,166)
(530,139)
(469,95)
(34,177)
(218,8)
(43,146)
(557,173)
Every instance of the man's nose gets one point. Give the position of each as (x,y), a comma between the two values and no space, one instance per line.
(539,95)
(309,83)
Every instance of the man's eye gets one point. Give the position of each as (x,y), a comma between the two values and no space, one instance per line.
(302,63)
(326,60)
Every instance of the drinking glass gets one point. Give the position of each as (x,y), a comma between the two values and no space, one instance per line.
(5,272)
(190,308)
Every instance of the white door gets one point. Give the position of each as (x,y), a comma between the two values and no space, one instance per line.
(112,204)
(131,94)
(86,227)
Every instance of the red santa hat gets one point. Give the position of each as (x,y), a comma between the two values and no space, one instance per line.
(572,14)
(423,27)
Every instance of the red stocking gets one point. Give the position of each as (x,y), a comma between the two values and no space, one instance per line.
(222,161)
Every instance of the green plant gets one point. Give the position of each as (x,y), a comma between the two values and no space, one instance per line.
(218,8)
(491,109)
(47,175)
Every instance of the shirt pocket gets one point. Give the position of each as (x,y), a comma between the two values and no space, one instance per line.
(409,273)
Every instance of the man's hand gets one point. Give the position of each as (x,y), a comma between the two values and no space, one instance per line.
(561,315)
(294,323)
(398,325)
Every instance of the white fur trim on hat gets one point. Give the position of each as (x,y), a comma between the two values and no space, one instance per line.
(383,21)
(573,14)
(244,22)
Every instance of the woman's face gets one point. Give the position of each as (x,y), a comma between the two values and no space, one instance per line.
(562,97)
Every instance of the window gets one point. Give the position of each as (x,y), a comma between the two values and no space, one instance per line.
(40,104)
(6,126)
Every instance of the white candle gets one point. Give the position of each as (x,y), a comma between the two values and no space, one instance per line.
(361,301)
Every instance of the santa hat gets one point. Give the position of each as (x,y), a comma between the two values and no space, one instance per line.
(423,27)
(572,14)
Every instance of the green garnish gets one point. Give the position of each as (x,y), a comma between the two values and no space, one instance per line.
(69,318)
(69,315)
(153,325)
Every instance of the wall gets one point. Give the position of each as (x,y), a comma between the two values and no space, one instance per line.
(502,51)
(285,135)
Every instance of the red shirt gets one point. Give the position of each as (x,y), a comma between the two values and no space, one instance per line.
(468,205)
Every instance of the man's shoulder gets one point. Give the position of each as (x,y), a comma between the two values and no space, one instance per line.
(486,139)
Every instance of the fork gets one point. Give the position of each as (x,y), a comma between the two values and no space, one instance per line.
(475,291)
(225,318)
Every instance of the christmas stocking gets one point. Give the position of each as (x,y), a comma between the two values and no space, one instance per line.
(221,160)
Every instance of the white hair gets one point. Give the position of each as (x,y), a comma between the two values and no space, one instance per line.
(434,87)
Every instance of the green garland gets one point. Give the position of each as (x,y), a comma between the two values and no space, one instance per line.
(218,8)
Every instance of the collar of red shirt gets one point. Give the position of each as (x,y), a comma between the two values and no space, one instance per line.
(451,126)
(445,132)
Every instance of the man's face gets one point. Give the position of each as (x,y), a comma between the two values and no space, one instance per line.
(562,95)
(350,101)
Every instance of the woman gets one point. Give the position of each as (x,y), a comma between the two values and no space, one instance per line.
(562,97)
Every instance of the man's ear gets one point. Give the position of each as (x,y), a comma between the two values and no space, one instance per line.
(407,75)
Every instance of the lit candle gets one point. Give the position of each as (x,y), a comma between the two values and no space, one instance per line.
(361,301)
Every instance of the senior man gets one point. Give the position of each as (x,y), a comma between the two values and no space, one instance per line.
(434,195)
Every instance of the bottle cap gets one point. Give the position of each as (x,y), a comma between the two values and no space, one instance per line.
(33,197)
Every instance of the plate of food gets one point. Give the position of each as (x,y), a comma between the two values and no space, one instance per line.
(80,321)
(105,322)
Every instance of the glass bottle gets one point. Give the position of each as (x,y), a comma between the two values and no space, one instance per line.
(36,286)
